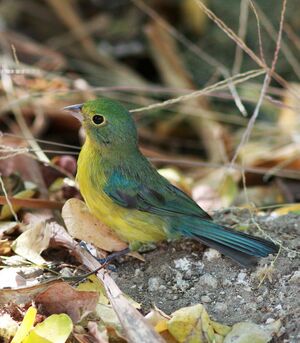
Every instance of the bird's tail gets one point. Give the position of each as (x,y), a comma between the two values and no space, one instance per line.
(241,247)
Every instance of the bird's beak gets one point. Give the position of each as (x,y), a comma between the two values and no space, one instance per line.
(75,111)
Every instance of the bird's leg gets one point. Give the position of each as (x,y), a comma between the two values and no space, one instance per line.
(105,261)
(114,255)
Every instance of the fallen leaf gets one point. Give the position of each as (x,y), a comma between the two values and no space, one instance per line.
(62,298)
(247,332)
(82,225)
(193,325)
(32,242)
(158,319)
(7,227)
(26,325)
(93,284)
(295,208)
(54,329)
(110,318)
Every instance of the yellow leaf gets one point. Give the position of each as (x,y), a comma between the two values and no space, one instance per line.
(220,329)
(247,332)
(193,325)
(54,329)
(158,319)
(287,209)
(26,325)
(161,326)
(93,284)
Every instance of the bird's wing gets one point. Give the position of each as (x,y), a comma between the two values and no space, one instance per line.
(167,201)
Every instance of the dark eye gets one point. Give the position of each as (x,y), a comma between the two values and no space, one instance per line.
(98,119)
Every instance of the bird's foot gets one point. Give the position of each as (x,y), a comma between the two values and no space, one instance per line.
(105,261)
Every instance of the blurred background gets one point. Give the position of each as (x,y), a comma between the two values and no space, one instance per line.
(56,53)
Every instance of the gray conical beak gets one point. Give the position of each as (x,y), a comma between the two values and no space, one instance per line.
(75,111)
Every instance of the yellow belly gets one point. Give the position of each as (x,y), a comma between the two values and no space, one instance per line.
(129,224)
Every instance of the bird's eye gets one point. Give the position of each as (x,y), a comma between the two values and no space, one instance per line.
(98,119)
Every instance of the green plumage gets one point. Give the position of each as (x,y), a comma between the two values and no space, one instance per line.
(125,191)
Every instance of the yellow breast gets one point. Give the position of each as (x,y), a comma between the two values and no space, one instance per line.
(130,225)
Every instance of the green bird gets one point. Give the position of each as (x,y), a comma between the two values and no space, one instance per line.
(123,189)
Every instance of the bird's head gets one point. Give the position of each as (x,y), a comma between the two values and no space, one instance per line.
(106,122)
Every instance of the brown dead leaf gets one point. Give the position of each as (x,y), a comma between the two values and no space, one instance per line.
(62,298)
(23,165)
(99,335)
(82,225)
(5,247)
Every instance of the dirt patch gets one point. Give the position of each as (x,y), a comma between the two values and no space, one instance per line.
(182,273)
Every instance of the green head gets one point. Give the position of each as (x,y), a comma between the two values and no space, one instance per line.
(106,122)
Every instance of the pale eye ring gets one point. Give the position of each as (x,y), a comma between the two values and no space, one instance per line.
(98,119)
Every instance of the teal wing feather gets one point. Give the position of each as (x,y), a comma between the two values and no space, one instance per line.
(185,217)
(165,199)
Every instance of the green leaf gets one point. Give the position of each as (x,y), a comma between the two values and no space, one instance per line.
(54,329)
(26,325)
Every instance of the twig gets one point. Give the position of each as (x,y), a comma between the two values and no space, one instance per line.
(266,83)
(244,12)
(261,51)
(286,51)
(7,200)
(219,85)
(210,60)
(231,34)
(29,203)
(136,329)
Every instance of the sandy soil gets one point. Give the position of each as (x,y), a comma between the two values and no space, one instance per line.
(182,273)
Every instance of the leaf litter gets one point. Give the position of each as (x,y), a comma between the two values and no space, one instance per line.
(190,295)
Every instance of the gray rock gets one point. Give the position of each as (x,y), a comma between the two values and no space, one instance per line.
(208,281)
(154,283)
(205,299)
(220,307)
(295,278)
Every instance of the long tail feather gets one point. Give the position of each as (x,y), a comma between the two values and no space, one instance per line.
(241,247)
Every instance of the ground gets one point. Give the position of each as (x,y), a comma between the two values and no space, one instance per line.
(183,273)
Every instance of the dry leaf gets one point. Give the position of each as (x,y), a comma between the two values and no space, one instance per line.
(83,225)
(193,325)
(32,242)
(62,298)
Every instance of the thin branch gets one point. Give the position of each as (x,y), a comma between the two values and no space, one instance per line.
(219,85)
(265,86)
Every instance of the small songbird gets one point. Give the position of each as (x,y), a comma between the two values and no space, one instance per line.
(122,188)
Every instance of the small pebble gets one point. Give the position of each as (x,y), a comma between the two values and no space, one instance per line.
(209,281)
(205,299)
(270,320)
(295,278)
(154,283)
(259,299)
(211,254)
(220,307)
